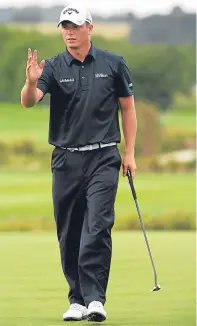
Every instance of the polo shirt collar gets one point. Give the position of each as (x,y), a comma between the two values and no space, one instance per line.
(70,58)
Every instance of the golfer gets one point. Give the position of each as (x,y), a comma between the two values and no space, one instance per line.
(87,86)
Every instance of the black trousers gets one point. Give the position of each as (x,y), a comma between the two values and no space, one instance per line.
(84,190)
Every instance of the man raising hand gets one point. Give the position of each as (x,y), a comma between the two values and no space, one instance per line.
(87,86)
(31,95)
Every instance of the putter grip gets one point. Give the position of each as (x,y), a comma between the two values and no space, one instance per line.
(131,184)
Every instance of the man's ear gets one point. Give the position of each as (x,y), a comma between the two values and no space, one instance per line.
(90,29)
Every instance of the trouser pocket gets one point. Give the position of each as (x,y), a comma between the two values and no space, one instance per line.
(58,159)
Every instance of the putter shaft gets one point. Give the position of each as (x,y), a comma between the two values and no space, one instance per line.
(147,244)
(156,287)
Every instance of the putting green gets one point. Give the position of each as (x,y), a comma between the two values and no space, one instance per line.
(34,292)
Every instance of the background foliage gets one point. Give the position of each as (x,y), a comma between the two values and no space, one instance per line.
(158,71)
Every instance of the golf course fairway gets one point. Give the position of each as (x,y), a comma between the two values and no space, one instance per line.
(34,292)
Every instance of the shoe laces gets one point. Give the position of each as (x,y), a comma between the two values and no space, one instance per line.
(77,306)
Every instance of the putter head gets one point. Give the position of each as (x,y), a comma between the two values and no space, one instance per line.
(156,288)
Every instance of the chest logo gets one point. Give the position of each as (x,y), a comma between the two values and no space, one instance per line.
(101,75)
(67,80)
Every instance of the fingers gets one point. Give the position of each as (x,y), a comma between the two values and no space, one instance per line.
(29,56)
(132,169)
(125,168)
(27,69)
(29,60)
(29,53)
(35,56)
(42,63)
(32,57)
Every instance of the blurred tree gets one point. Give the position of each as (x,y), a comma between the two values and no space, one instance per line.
(158,72)
(176,28)
(149,133)
(27,15)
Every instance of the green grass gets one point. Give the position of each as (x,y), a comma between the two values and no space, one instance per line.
(183,114)
(34,292)
(17,122)
(27,194)
(183,121)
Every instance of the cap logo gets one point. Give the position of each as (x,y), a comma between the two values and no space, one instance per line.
(70,11)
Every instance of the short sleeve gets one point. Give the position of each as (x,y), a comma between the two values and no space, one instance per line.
(123,81)
(45,81)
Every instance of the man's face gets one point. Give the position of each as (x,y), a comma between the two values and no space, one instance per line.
(75,36)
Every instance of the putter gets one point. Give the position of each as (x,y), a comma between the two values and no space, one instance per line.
(157,286)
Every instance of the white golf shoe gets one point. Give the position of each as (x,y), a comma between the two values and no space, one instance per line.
(96,312)
(75,312)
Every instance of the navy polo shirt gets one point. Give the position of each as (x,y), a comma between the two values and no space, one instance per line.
(84,97)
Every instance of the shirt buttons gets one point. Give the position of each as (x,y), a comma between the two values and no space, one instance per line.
(82,66)
(83,77)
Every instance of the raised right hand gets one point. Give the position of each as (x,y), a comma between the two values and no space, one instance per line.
(33,69)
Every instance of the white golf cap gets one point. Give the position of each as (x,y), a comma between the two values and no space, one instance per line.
(76,14)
